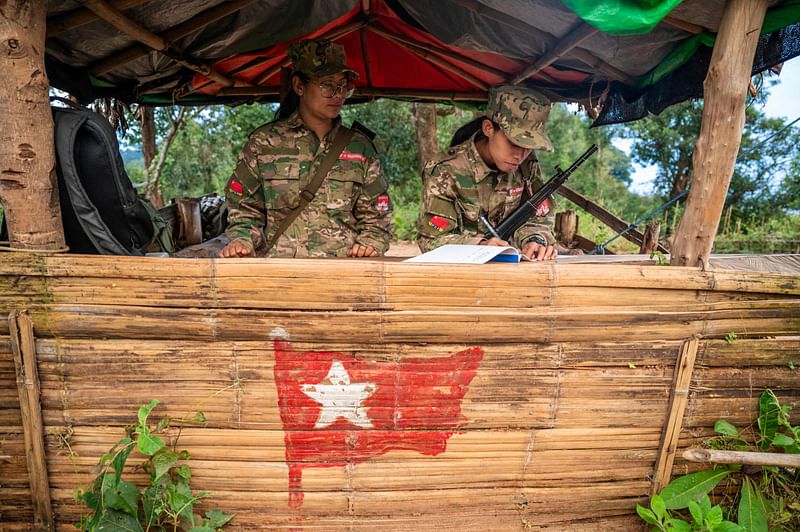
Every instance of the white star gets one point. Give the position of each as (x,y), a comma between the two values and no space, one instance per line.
(339,398)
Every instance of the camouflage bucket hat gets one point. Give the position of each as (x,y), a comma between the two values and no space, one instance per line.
(317,58)
(521,114)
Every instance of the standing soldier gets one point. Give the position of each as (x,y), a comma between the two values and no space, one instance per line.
(488,171)
(306,186)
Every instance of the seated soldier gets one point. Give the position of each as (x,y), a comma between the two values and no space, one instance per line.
(273,208)
(490,171)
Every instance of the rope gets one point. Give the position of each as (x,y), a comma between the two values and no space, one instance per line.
(601,248)
(6,246)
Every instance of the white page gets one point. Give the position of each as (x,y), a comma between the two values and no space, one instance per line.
(464,254)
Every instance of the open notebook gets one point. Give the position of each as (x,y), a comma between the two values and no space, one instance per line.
(470,254)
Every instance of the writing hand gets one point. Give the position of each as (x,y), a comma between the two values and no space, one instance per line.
(536,251)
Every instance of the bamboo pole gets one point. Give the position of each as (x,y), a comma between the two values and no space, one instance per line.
(677,406)
(157,43)
(195,23)
(24,353)
(721,130)
(741,457)
(28,186)
(572,40)
(447,96)
(76,18)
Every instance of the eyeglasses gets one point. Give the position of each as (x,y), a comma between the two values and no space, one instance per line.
(329,89)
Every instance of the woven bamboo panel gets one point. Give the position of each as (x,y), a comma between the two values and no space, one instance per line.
(509,397)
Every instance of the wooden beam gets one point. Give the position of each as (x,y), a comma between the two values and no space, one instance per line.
(679,398)
(596,64)
(28,186)
(23,349)
(157,43)
(365,7)
(362,37)
(368,92)
(713,456)
(187,27)
(76,18)
(573,39)
(617,224)
(683,25)
(650,240)
(720,132)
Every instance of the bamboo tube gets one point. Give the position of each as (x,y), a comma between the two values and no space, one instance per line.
(79,17)
(741,457)
(678,401)
(24,351)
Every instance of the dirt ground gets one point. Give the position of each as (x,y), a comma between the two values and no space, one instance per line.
(403,248)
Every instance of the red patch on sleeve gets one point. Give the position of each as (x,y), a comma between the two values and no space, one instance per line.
(543,209)
(349,156)
(382,203)
(439,223)
(235,186)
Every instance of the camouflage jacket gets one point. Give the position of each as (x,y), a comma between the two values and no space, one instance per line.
(277,163)
(460,186)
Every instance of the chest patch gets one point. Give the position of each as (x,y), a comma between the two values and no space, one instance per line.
(349,156)
(516,191)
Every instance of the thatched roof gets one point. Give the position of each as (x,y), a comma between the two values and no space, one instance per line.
(420,49)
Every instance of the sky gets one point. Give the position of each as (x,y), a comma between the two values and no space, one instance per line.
(783,102)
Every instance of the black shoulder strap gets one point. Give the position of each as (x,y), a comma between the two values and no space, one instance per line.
(343,137)
(67,126)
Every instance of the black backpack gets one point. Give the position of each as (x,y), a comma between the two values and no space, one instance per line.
(99,207)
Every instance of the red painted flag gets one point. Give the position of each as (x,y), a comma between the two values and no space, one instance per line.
(337,409)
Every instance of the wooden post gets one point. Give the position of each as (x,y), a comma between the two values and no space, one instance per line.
(28,187)
(24,352)
(566,227)
(679,398)
(721,131)
(650,240)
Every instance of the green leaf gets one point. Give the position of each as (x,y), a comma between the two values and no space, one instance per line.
(162,424)
(115,521)
(124,497)
(725,428)
(180,498)
(658,506)
(647,515)
(697,512)
(678,525)
(163,460)
(691,487)
(705,504)
(782,440)
(152,504)
(769,409)
(144,411)
(714,517)
(121,456)
(201,529)
(727,526)
(217,518)
(148,444)
(200,417)
(752,511)
(184,471)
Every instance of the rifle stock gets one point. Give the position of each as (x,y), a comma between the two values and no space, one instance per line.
(506,228)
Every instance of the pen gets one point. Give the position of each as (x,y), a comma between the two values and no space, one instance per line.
(489,227)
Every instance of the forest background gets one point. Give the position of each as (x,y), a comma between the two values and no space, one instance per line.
(174,151)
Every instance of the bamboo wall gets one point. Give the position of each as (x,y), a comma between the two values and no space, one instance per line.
(561,414)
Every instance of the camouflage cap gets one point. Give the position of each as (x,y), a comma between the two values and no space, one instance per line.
(319,57)
(521,114)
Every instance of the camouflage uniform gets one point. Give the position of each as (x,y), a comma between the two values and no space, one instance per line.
(278,162)
(280,159)
(459,187)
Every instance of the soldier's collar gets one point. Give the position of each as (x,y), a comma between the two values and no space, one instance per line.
(480,170)
(296,122)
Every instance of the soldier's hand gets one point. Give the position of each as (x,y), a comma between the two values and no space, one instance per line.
(536,251)
(360,250)
(235,249)
(494,241)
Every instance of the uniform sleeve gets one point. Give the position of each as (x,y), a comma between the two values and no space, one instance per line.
(440,222)
(373,209)
(244,195)
(542,223)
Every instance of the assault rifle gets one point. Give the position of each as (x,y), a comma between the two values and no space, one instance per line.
(506,228)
